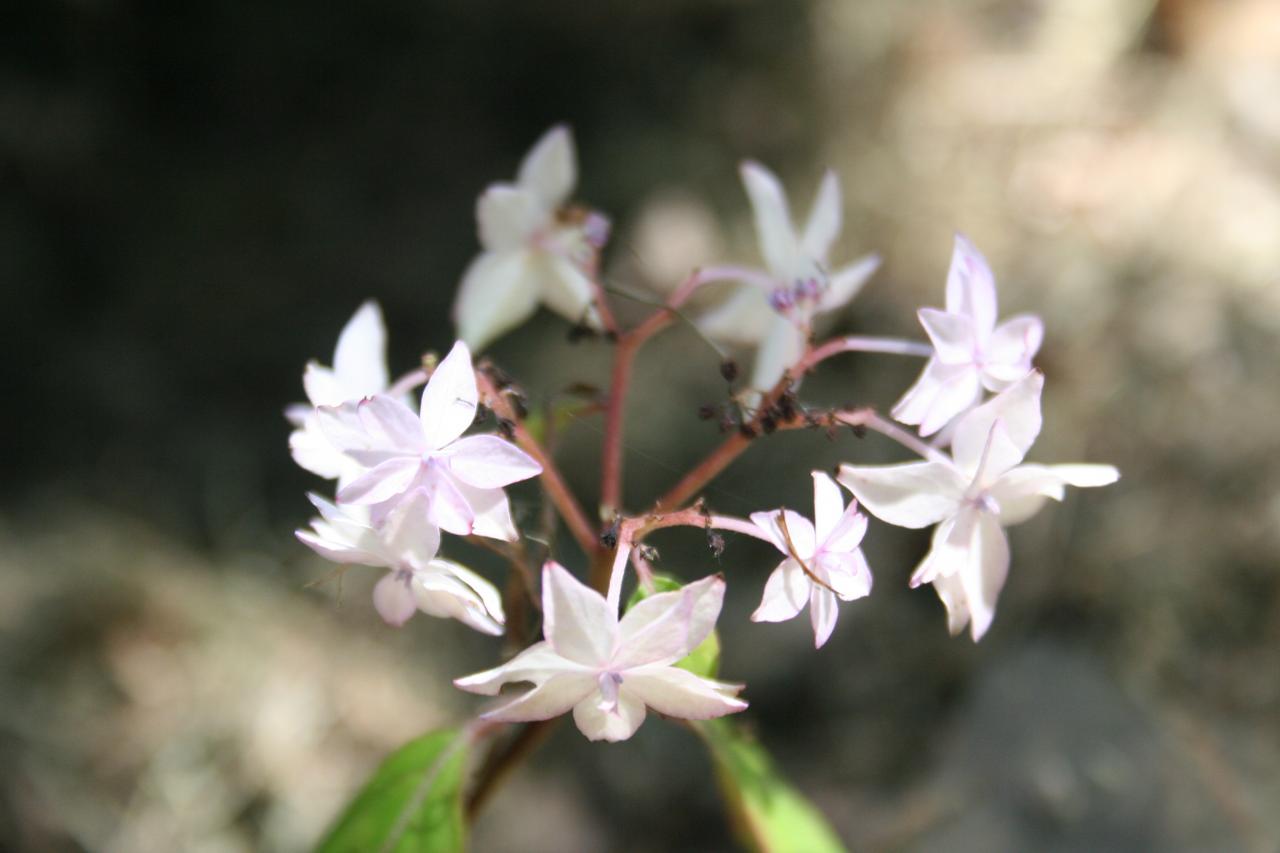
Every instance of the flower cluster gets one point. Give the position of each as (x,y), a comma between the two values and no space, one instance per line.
(407,475)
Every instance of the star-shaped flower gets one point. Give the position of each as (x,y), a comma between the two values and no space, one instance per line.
(971,352)
(404,454)
(972,499)
(359,370)
(775,312)
(608,670)
(823,561)
(535,251)
(407,544)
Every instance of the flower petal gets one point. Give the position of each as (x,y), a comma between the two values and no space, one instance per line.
(1013,345)
(382,482)
(315,453)
(360,360)
(786,592)
(507,217)
(773,220)
(491,511)
(847,573)
(666,627)
(679,693)
(536,664)
(489,462)
(942,392)
(440,592)
(323,387)
(985,576)
(1018,410)
(848,531)
(550,169)
(498,293)
(823,612)
(847,282)
(782,347)
(952,335)
(550,699)
(486,592)
(828,505)
(915,494)
(447,504)
(824,218)
(450,398)
(971,288)
(576,620)
(797,540)
(950,589)
(1022,491)
(614,722)
(743,318)
(393,598)
(565,289)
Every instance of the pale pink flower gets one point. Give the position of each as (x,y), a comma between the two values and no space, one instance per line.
(531,254)
(608,670)
(775,311)
(418,580)
(404,454)
(823,561)
(971,352)
(359,370)
(973,499)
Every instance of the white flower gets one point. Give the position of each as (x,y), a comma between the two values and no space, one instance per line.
(406,543)
(973,500)
(532,253)
(404,454)
(775,312)
(359,370)
(608,670)
(823,561)
(970,351)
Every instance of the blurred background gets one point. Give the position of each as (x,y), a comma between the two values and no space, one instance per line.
(195,197)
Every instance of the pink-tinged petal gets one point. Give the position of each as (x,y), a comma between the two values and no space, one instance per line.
(1008,354)
(341,427)
(492,512)
(550,169)
(393,598)
(847,573)
(609,721)
(999,455)
(942,392)
(773,219)
(952,335)
(408,533)
(744,318)
(489,462)
(823,612)
(507,217)
(916,494)
(1018,410)
(313,452)
(847,282)
(487,594)
(447,506)
(390,426)
(495,296)
(565,289)
(297,414)
(330,545)
(797,540)
(441,593)
(666,627)
(381,483)
(549,699)
(678,693)
(786,592)
(536,664)
(782,347)
(824,218)
(971,288)
(360,360)
(848,532)
(1021,492)
(985,575)
(576,620)
(323,387)
(944,558)
(450,398)
(950,589)
(828,505)
(1084,476)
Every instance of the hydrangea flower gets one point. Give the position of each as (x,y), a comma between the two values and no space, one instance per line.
(971,352)
(534,251)
(608,670)
(418,580)
(404,454)
(823,561)
(775,312)
(985,489)
(359,370)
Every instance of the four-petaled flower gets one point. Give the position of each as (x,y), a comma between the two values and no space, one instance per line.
(359,370)
(534,251)
(775,313)
(973,499)
(406,543)
(406,454)
(608,670)
(970,351)
(823,561)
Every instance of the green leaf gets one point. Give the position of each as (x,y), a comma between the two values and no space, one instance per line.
(703,661)
(412,804)
(769,814)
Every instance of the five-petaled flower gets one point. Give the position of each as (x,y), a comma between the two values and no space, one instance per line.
(534,250)
(406,543)
(775,312)
(359,370)
(971,352)
(823,561)
(972,499)
(404,454)
(609,669)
